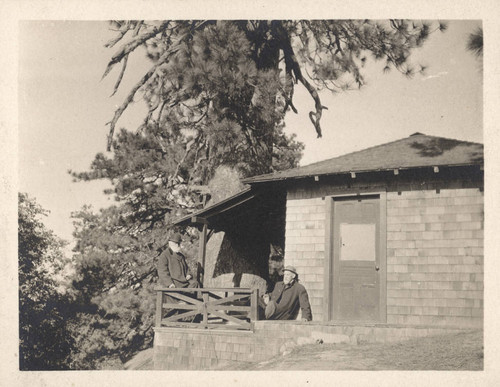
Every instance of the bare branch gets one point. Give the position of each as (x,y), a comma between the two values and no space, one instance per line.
(138,27)
(120,77)
(188,148)
(133,44)
(115,40)
(130,97)
(146,121)
(294,65)
(289,100)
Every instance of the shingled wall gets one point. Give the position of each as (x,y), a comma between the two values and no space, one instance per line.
(434,253)
(305,242)
(435,257)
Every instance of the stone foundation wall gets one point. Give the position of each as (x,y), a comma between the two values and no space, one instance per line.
(192,349)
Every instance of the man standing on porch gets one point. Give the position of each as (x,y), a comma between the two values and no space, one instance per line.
(287,298)
(173,270)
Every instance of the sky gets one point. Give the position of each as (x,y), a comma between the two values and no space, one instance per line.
(64,106)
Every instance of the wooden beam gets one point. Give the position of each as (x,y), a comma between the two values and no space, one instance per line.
(183,297)
(214,211)
(202,254)
(205,312)
(254,304)
(159,309)
(231,308)
(176,305)
(225,209)
(224,316)
(236,297)
(198,219)
(194,290)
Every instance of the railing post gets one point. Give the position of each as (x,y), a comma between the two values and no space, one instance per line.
(254,305)
(159,308)
(205,312)
(202,253)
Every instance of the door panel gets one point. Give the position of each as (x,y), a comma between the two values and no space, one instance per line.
(350,237)
(356,259)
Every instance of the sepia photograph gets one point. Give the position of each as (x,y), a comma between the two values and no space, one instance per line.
(250,194)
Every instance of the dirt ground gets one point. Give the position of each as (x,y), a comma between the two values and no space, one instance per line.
(462,351)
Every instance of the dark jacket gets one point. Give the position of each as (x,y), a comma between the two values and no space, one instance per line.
(289,299)
(172,268)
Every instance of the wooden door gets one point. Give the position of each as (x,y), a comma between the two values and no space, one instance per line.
(356,259)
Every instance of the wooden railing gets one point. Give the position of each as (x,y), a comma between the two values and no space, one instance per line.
(207,308)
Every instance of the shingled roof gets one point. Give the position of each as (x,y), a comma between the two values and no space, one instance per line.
(417,150)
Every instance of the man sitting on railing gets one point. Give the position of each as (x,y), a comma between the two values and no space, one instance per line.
(287,298)
(173,270)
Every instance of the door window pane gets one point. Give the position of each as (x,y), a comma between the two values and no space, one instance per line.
(357,242)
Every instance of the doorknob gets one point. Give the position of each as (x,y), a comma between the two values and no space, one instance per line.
(377,268)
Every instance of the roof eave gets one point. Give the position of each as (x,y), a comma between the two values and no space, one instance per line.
(278,179)
(199,216)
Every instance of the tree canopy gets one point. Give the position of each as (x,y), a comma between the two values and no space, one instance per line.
(43,311)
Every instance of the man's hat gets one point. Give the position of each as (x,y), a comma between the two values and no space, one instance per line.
(292,269)
(175,237)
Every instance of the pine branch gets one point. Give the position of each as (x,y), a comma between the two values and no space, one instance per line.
(133,44)
(188,148)
(130,96)
(120,77)
(115,40)
(294,66)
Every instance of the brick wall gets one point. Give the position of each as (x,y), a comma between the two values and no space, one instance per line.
(434,253)
(435,257)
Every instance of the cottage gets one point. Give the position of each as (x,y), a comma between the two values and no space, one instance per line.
(389,234)
(388,241)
